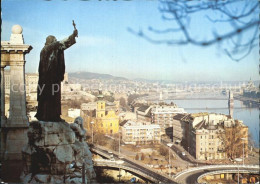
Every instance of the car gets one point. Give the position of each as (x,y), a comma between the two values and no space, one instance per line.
(183,153)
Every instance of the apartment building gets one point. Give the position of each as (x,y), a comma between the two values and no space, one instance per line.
(163,115)
(209,136)
(140,133)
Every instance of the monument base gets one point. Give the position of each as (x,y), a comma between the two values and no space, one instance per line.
(11,171)
(57,153)
(13,140)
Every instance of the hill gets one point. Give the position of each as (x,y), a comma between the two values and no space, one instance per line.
(90,75)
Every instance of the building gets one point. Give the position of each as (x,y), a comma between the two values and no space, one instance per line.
(251,91)
(106,122)
(179,126)
(163,115)
(140,133)
(143,113)
(159,114)
(73,113)
(209,136)
(97,116)
(91,106)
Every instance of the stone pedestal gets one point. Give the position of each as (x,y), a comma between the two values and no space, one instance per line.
(56,153)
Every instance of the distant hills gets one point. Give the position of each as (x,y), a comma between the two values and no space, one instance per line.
(90,75)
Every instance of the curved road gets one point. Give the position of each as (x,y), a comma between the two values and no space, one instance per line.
(191,177)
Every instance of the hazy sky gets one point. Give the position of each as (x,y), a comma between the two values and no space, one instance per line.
(104,44)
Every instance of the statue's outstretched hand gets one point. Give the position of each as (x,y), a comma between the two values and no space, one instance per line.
(75,33)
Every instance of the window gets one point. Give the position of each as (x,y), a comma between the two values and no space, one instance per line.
(111,124)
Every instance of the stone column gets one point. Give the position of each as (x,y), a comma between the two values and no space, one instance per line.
(14,131)
(3,117)
(17,116)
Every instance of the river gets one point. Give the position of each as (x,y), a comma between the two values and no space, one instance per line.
(249,115)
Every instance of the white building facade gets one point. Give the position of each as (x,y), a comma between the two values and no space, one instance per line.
(140,133)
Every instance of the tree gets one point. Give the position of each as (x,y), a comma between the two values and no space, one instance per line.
(109,98)
(114,145)
(163,151)
(132,97)
(239,17)
(100,139)
(231,138)
(142,156)
(122,102)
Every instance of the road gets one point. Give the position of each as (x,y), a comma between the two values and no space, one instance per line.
(186,157)
(187,176)
(191,177)
(138,166)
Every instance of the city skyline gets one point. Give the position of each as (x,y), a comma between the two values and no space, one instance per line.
(106,46)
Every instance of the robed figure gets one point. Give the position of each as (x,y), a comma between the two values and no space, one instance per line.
(51,73)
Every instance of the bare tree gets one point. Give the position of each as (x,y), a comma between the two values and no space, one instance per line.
(100,139)
(163,151)
(114,145)
(240,20)
(122,102)
(233,144)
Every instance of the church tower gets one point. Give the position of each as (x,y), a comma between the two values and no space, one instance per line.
(101,106)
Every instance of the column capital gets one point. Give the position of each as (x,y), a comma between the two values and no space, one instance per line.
(17,63)
(7,48)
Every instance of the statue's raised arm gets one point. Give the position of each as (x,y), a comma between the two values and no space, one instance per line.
(67,42)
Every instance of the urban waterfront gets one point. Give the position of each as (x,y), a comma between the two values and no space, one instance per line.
(130,92)
(249,115)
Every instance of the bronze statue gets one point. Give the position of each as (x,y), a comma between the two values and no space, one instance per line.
(51,73)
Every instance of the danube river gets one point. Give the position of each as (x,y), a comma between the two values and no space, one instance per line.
(249,115)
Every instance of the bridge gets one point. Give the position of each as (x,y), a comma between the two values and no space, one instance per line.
(226,174)
(130,165)
(172,98)
(191,175)
(119,164)
(143,171)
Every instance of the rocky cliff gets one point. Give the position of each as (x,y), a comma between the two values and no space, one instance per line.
(57,153)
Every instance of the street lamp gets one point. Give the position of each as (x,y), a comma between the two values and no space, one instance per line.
(119,175)
(119,143)
(92,131)
(243,139)
(238,160)
(169,145)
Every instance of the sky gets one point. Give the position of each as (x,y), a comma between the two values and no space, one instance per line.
(104,44)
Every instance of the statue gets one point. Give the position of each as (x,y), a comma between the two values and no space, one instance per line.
(78,128)
(51,73)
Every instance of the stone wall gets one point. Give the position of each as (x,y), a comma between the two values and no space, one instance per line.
(57,153)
